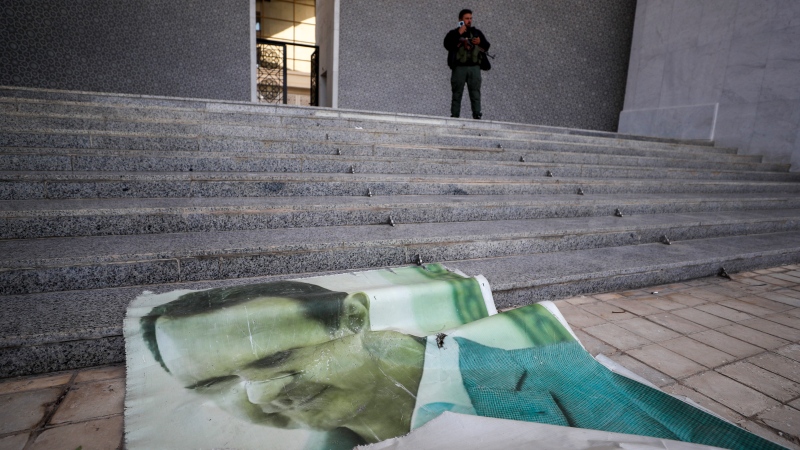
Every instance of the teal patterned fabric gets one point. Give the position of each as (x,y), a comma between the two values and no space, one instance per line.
(561,384)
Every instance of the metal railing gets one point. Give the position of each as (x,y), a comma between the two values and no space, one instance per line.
(271,57)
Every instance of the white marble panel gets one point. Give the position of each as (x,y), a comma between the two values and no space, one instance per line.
(708,74)
(685,24)
(734,126)
(637,122)
(787,14)
(717,21)
(747,60)
(775,130)
(683,122)
(782,74)
(638,26)
(678,77)
(648,87)
(754,17)
(657,21)
(687,122)
(636,51)
(632,80)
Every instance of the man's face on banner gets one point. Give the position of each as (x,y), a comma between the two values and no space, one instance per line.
(266,361)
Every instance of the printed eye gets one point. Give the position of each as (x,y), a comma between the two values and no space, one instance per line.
(207,383)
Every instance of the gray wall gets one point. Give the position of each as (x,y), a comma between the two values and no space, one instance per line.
(192,48)
(560,63)
(726,70)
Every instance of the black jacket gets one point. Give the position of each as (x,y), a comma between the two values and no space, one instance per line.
(453,39)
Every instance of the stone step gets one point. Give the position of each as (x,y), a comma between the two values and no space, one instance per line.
(55,185)
(65,330)
(182,118)
(79,263)
(66,158)
(176,161)
(11,95)
(98,133)
(29,219)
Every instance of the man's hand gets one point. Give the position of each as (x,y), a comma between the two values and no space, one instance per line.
(476,40)
(463,29)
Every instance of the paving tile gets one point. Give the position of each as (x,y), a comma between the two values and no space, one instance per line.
(705,402)
(709,294)
(727,344)
(729,290)
(32,383)
(794,292)
(685,298)
(773,281)
(630,293)
(702,318)
(734,395)
(762,380)
(752,336)
(762,271)
(787,277)
(582,300)
(662,303)
(767,434)
(698,352)
(676,323)
(748,281)
(643,370)
(635,306)
(647,329)
(102,434)
(577,317)
(593,345)
(724,312)
(746,307)
(791,351)
(775,328)
(794,312)
(784,418)
(23,410)
(795,404)
(91,400)
(695,283)
(745,274)
(666,361)
(616,336)
(100,373)
(607,311)
(782,298)
(15,442)
(607,296)
(765,303)
(779,364)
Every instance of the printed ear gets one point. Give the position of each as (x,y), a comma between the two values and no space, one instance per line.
(356,312)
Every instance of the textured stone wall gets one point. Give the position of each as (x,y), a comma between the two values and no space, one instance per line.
(191,48)
(559,63)
(727,70)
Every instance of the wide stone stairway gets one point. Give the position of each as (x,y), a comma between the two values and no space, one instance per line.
(103,196)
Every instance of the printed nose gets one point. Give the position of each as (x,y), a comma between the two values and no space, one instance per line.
(268,394)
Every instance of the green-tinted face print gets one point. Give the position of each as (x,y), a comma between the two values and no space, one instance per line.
(266,361)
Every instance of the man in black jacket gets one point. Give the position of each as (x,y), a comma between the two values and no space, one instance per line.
(465,46)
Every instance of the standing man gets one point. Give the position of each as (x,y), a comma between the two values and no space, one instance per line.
(465,46)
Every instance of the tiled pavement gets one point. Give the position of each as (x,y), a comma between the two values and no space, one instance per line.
(733,346)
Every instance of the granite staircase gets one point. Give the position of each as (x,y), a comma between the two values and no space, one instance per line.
(103,196)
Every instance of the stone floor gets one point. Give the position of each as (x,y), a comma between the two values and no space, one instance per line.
(733,346)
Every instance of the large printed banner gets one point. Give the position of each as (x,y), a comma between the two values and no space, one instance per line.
(344,360)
